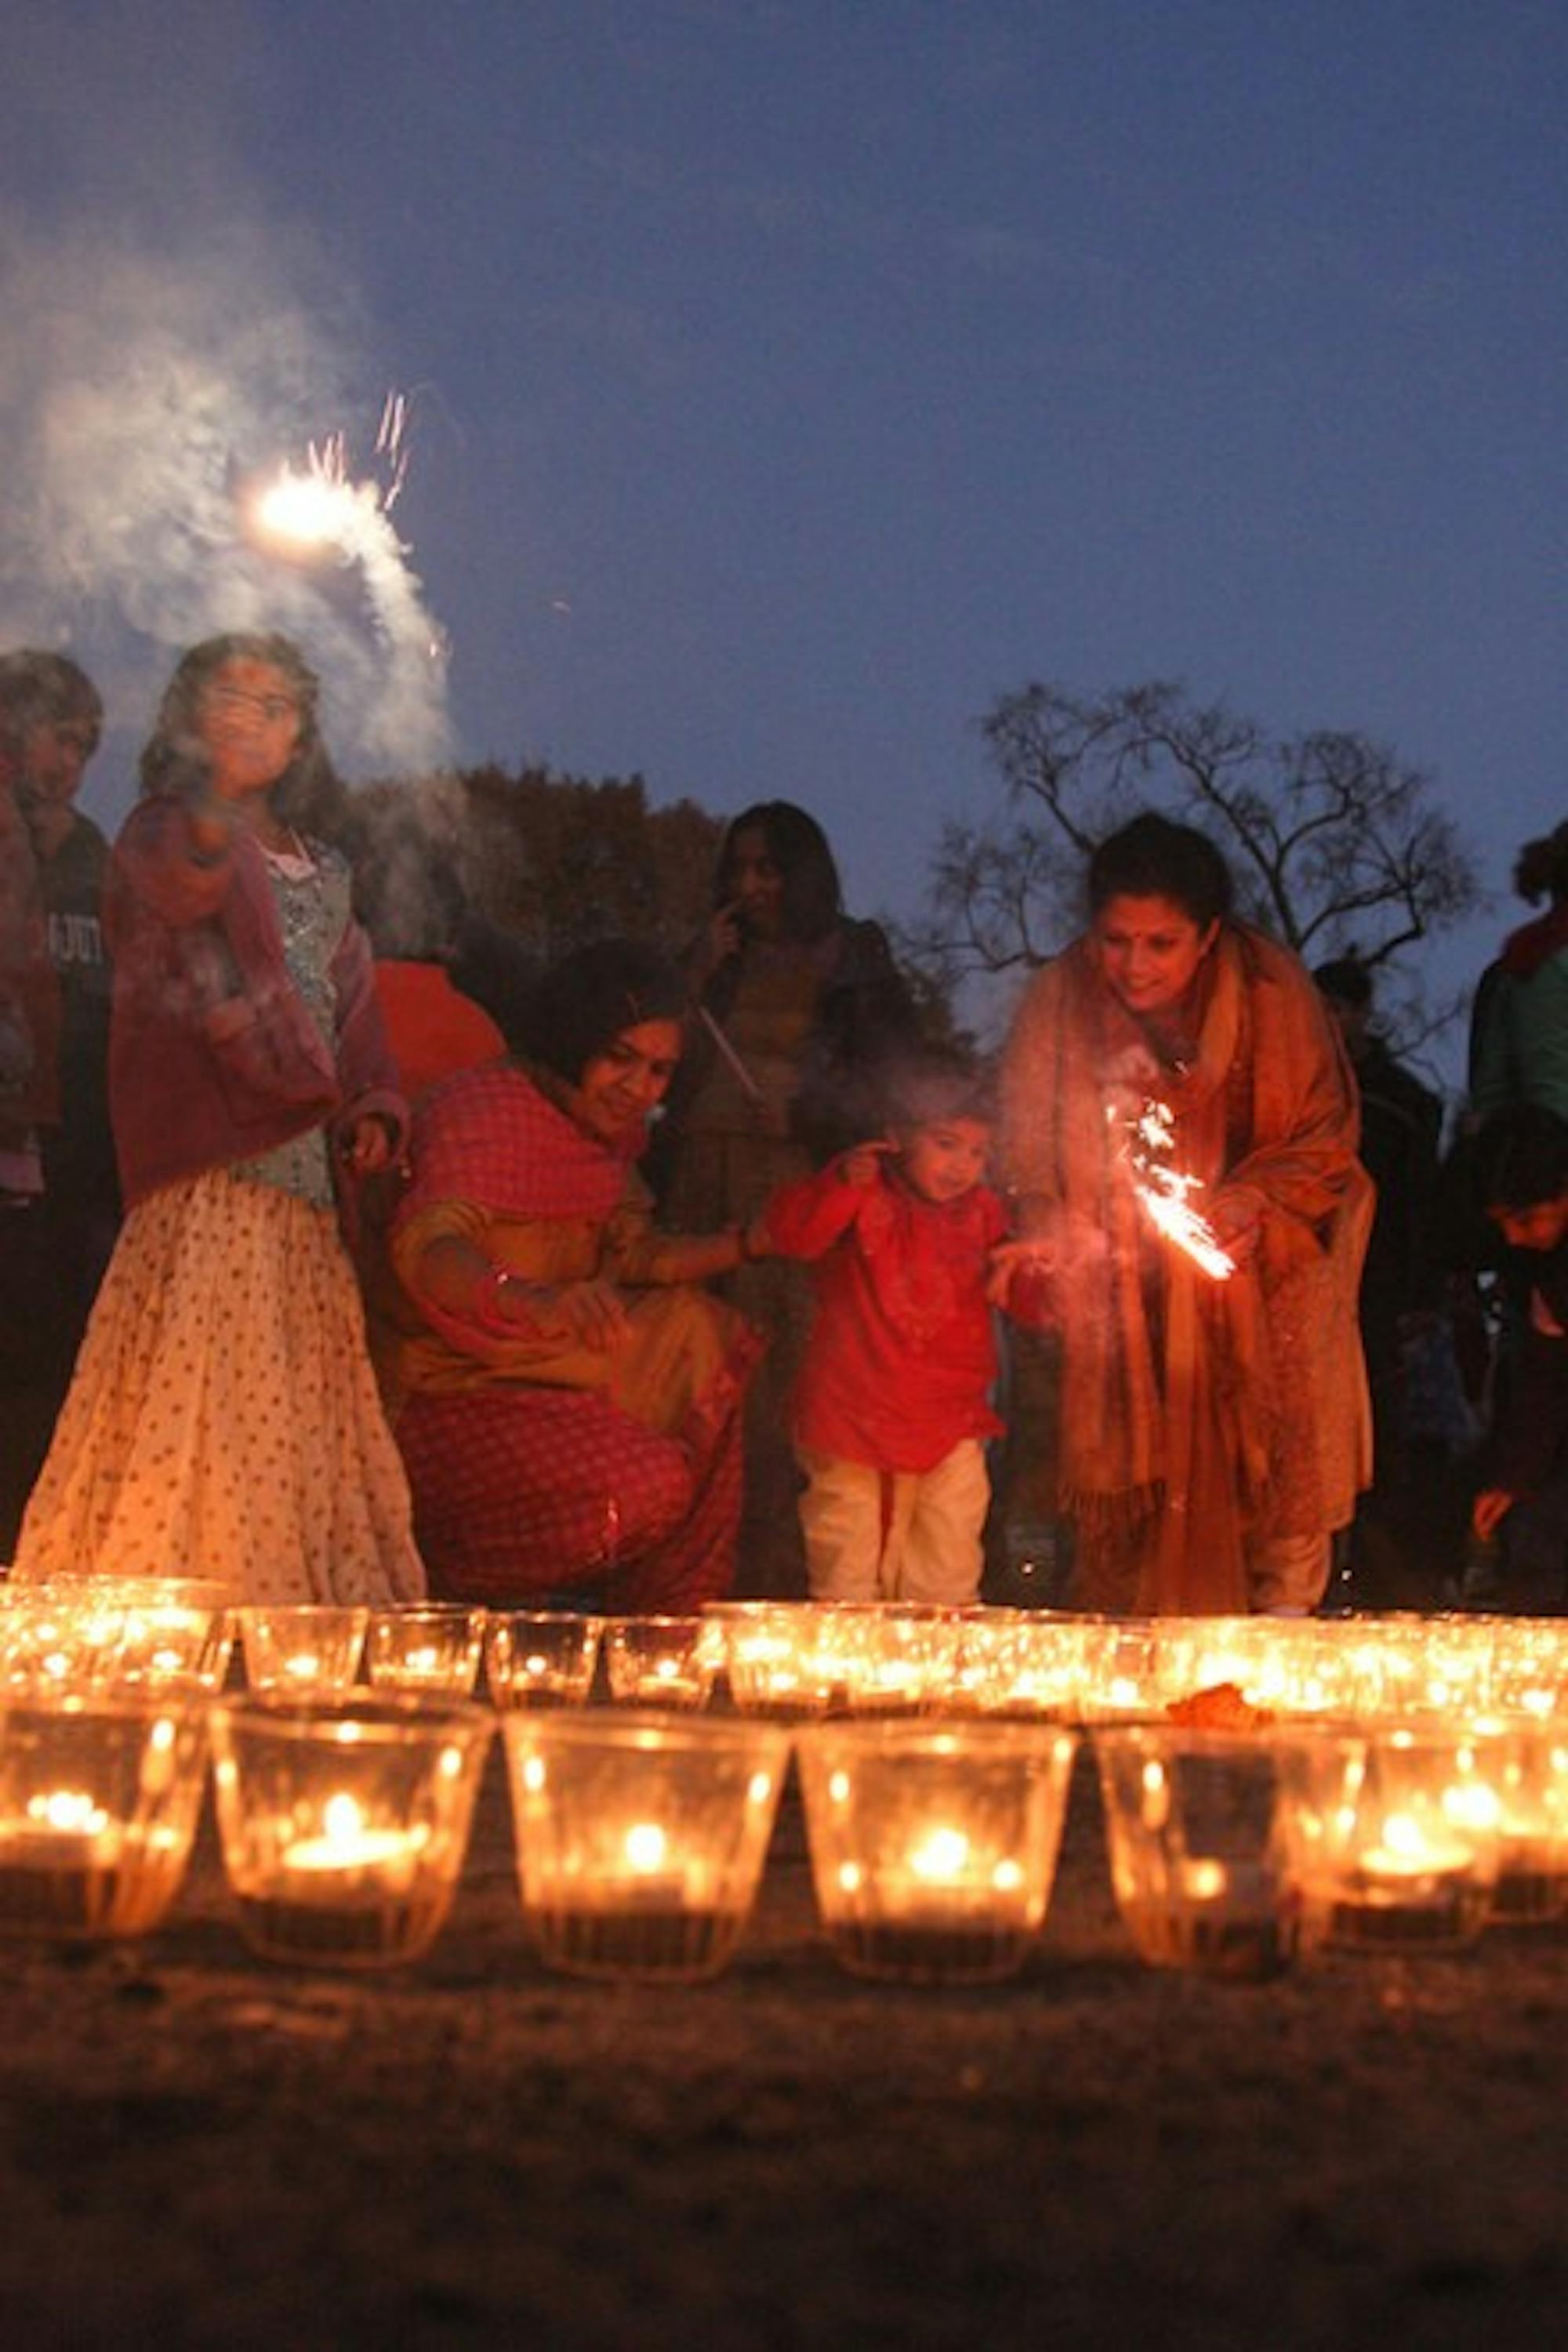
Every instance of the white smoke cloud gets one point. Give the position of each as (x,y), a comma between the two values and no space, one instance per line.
(143,389)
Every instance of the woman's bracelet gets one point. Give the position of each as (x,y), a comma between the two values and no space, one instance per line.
(487,1307)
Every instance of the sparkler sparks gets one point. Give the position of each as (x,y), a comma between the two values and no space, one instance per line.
(1162,1191)
(325,506)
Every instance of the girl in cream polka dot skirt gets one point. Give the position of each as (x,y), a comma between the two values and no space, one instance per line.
(223,1420)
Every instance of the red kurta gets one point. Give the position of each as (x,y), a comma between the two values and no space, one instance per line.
(902,1353)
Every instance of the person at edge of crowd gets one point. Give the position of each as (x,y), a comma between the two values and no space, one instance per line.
(1519,1040)
(29,1106)
(892,1406)
(1214,1428)
(1522,1508)
(223,1420)
(53,715)
(1421,1420)
(797,1004)
(1517,1053)
(567,1398)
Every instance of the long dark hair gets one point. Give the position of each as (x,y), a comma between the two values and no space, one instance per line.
(307,795)
(813,900)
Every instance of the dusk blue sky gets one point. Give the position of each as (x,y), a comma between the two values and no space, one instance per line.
(788,381)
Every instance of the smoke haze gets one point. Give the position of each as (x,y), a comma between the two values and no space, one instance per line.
(165,349)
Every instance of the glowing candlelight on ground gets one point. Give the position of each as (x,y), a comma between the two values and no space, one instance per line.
(344,1821)
(640,1838)
(72,1812)
(932,1848)
(99,1801)
(347,1844)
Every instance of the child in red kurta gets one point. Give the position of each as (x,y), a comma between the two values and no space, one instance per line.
(892,1404)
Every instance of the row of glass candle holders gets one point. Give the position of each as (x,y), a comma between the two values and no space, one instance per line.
(794,1659)
(344,1813)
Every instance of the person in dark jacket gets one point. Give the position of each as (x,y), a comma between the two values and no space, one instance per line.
(1521,1167)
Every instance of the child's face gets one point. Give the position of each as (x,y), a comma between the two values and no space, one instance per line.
(54,760)
(248,722)
(945,1159)
(1542,1225)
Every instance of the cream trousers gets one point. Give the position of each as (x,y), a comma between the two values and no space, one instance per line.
(895,1535)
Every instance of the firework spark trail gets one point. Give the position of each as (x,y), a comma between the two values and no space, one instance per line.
(1162,1191)
(325,506)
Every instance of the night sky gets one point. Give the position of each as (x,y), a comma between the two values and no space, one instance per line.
(786,381)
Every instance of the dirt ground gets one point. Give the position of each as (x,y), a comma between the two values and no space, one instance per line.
(203,2149)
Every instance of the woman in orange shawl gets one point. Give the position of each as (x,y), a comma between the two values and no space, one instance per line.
(1213,1427)
(567,1405)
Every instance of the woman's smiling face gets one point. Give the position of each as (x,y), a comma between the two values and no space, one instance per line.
(1148,951)
(620,1088)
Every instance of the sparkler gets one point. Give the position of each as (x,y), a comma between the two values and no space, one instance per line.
(1162,1191)
(322,506)
(738,1069)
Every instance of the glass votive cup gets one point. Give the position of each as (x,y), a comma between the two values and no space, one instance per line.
(52,1640)
(903,1659)
(540,1657)
(99,1797)
(641,1836)
(1395,1835)
(661,1662)
(933,1847)
(1201,1860)
(1518,1781)
(344,1821)
(432,1649)
(88,1637)
(301,1647)
(770,1658)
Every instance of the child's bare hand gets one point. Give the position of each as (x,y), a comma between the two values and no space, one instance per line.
(367,1147)
(862,1165)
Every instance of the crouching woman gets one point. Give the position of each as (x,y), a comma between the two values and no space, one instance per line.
(567,1402)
